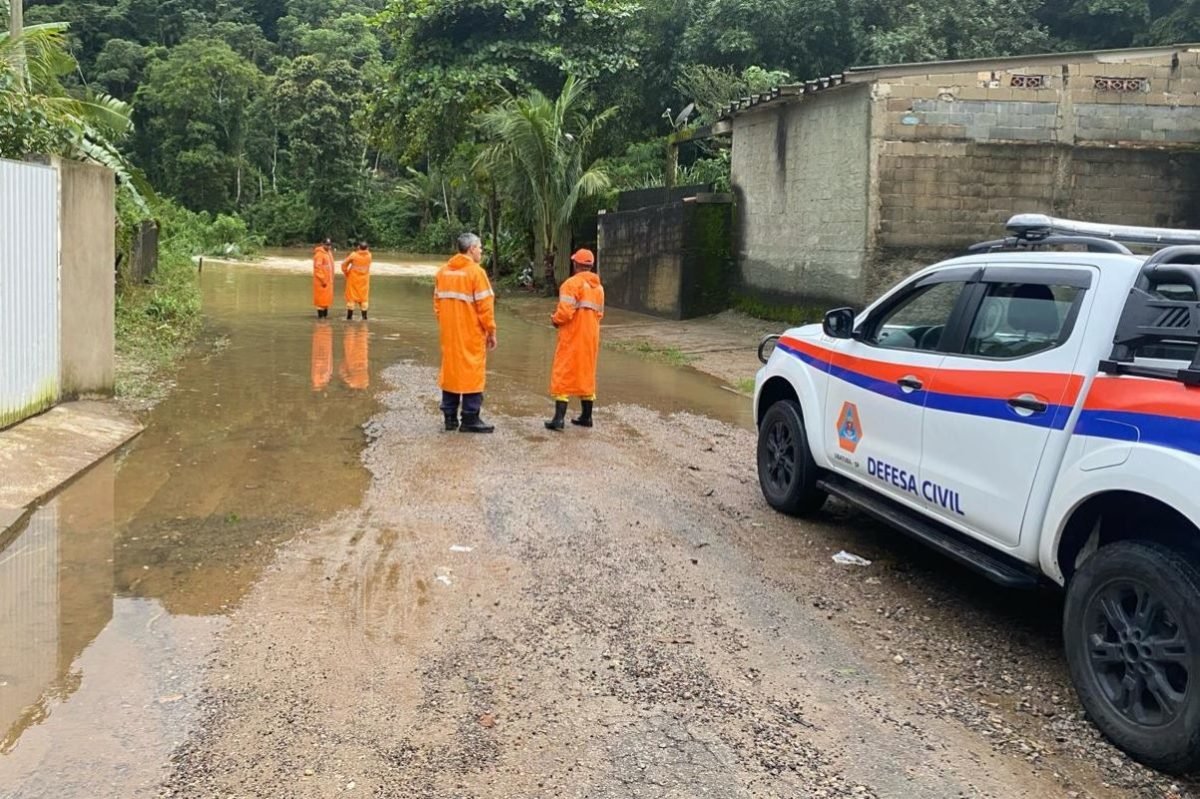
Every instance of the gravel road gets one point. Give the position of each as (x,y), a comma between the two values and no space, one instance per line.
(616,613)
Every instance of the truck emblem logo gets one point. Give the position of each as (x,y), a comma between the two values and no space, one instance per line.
(849,428)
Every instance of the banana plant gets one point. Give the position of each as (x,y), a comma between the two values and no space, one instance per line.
(39,115)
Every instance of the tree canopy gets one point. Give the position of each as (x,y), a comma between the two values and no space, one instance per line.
(373,118)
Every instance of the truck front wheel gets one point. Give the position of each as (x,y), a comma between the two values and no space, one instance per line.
(787,473)
(1132,635)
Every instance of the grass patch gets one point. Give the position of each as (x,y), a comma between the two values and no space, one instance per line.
(155,324)
(650,351)
(788,314)
(745,385)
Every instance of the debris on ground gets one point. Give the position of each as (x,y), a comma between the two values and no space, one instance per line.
(845,558)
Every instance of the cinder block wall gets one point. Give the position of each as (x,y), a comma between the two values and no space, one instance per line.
(800,174)
(640,259)
(671,260)
(953,155)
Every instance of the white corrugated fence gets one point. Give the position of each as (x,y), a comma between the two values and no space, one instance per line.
(29,296)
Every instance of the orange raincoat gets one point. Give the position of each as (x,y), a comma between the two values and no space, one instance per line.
(464,306)
(322,352)
(355,369)
(577,317)
(322,277)
(357,269)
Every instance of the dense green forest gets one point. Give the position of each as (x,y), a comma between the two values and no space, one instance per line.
(404,121)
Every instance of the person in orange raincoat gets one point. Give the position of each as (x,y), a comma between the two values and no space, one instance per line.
(577,317)
(355,369)
(323,277)
(322,353)
(464,306)
(357,269)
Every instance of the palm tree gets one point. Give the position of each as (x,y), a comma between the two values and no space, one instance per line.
(37,115)
(537,152)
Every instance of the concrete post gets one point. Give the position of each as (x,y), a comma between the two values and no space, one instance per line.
(87,283)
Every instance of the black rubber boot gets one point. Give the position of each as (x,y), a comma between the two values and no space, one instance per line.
(471,423)
(451,422)
(560,415)
(364,316)
(584,419)
(349,313)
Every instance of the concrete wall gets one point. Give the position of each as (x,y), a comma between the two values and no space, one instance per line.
(640,259)
(674,260)
(1133,99)
(800,172)
(87,235)
(844,190)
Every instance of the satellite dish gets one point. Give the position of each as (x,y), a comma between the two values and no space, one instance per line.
(684,114)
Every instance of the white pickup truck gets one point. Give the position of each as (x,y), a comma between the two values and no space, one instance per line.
(1034,415)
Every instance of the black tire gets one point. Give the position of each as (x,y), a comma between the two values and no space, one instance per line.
(787,473)
(1132,637)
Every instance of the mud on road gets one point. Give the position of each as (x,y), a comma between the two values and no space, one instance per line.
(630,621)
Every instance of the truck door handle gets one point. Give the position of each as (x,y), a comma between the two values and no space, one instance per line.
(1028,403)
(909,384)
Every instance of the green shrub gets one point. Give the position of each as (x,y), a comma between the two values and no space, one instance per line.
(390,220)
(283,219)
(438,237)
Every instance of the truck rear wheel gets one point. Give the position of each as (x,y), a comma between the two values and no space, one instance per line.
(1132,639)
(787,473)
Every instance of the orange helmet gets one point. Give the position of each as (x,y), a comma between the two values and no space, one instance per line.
(584,256)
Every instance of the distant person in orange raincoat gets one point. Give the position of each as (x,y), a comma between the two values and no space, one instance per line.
(357,269)
(355,369)
(322,353)
(323,278)
(464,306)
(577,317)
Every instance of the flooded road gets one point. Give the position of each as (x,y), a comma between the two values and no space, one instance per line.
(112,593)
(294,584)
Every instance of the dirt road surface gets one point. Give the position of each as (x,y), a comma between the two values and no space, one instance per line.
(293,584)
(629,621)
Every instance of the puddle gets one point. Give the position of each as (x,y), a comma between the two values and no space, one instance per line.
(112,593)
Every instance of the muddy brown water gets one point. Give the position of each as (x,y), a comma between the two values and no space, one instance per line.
(113,591)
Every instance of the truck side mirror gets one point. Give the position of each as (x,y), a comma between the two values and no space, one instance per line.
(839,323)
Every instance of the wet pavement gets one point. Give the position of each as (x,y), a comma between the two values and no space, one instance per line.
(293,584)
(113,591)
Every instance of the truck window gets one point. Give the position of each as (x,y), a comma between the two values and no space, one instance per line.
(917,322)
(1019,319)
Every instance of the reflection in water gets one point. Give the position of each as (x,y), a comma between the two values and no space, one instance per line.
(111,592)
(56,586)
(354,370)
(94,689)
(322,355)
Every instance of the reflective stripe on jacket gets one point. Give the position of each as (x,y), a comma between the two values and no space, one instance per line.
(577,317)
(465,310)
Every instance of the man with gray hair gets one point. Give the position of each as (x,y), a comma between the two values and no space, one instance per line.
(464,306)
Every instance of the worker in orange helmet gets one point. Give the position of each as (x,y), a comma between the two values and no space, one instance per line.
(577,317)
(323,278)
(357,269)
(465,309)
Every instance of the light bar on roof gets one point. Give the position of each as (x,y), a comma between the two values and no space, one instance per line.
(1036,226)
